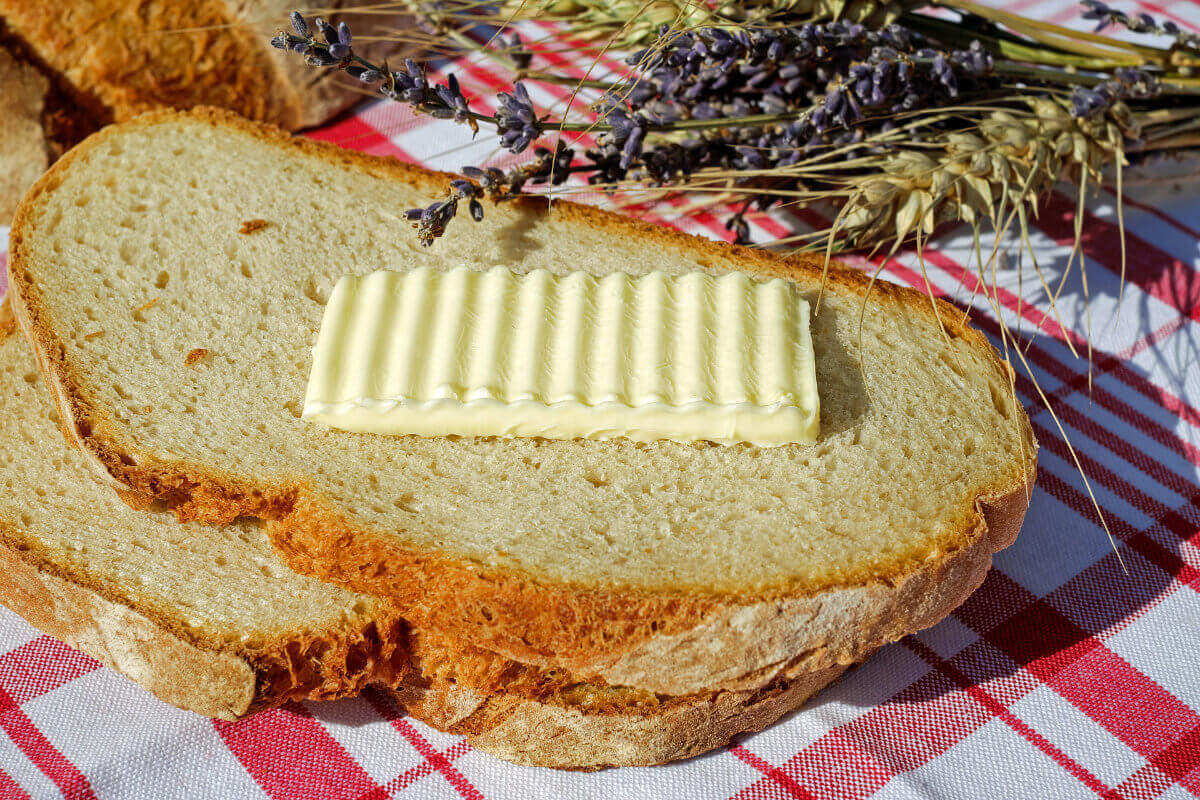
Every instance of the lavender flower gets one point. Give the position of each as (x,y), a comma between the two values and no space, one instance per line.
(299,25)
(548,166)
(516,120)
(340,47)
(1127,83)
(408,85)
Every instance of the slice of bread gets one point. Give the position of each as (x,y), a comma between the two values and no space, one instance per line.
(210,620)
(672,567)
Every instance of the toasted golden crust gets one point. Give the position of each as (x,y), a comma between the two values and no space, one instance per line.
(668,642)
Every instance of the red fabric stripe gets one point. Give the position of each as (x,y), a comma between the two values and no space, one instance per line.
(10,789)
(1023,729)
(1156,272)
(854,760)
(387,709)
(1181,760)
(38,749)
(41,665)
(1104,599)
(354,133)
(293,757)
(1129,705)
(1165,11)
(778,776)
(413,774)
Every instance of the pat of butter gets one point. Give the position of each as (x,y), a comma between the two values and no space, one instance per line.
(683,357)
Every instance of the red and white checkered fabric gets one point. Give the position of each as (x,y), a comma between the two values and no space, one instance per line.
(1061,677)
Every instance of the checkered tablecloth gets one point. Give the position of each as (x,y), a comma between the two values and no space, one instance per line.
(1062,677)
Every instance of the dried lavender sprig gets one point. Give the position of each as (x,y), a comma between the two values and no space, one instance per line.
(409,85)
(1105,15)
(753,102)
(823,80)
(550,166)
(516,120)
(1127,83)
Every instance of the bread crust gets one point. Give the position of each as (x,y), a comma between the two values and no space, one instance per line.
(549,728)
(670,642)
(231,679)
(545,734)
(220,684)
(23,145)
(122,58)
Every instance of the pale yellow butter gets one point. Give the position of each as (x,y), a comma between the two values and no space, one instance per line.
(684,357)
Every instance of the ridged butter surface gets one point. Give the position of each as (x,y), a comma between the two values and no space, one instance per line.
(493,353)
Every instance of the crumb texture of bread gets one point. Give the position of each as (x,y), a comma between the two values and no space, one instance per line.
(541,548)
(23,145)
(158,599)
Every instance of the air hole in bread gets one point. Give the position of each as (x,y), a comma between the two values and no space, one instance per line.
(1000,400)
(595,479)
(315,293)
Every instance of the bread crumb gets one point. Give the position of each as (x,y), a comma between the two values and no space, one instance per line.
(146,305)
(195,356)
(252,226)
(93,334)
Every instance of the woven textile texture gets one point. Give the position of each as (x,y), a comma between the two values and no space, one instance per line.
(1063,676)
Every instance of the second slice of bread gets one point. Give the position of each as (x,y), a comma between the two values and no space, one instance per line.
(672,567)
